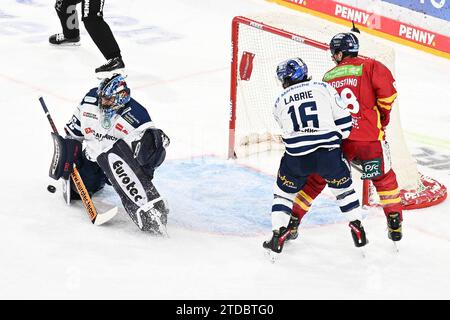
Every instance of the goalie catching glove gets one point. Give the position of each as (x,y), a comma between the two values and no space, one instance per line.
(66,154)
(149,151)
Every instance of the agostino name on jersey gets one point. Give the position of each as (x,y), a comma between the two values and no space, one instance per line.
(352,82)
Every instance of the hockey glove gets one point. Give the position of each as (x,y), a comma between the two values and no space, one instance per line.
(67,152)
(150,150)
(385,117)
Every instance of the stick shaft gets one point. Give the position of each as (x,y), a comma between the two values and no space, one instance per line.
(47,113)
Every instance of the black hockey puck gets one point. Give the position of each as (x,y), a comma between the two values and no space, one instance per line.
(51,188)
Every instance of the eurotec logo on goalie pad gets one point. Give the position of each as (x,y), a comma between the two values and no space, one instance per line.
(127,180)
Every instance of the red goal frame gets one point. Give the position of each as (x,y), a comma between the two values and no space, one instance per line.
(235,65)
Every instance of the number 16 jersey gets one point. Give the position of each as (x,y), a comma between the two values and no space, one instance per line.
(311,115)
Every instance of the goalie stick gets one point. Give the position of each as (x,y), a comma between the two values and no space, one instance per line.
(96,218)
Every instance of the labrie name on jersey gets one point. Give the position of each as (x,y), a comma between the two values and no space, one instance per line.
(98,132)
(311,115)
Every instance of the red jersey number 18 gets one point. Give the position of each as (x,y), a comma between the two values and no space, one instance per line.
(350,100)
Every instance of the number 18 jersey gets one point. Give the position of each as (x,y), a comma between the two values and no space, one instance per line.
(311,115)
(368,89)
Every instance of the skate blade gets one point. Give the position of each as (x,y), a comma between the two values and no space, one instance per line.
(396,246)
(362,251)
(65,45)
(272,256)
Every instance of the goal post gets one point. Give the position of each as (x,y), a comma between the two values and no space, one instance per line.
(258,46)
(242,70)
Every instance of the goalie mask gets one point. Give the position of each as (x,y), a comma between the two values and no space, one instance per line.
(113,93)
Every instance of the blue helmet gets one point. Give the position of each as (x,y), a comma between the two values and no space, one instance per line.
(347,43)
(292,71)
(114,87)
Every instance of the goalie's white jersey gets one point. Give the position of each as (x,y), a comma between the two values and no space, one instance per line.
(99,134)
(311,115)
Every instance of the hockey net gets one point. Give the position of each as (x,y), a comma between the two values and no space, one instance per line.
(258,45)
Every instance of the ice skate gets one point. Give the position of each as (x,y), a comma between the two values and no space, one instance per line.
(61,41)
(394,226)
(110,68)
(358,233)
(293,228)
(277,241)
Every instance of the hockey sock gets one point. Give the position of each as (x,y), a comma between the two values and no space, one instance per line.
(387,189)
(348,202)
(281,208)
(304,198)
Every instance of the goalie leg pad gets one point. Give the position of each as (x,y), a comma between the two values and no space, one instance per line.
(153,216)
(139,196)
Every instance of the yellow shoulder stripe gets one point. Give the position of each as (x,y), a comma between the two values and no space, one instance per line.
(388,99)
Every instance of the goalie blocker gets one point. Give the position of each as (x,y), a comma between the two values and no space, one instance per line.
(66,152)
(131,172)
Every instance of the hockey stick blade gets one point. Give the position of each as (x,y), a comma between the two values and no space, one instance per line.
(101,218)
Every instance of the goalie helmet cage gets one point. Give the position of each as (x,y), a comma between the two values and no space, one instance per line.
(257,48)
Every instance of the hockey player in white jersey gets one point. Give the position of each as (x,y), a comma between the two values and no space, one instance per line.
(314,121)
(120,146)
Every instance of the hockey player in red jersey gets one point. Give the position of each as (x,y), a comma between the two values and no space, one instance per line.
(368,89)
